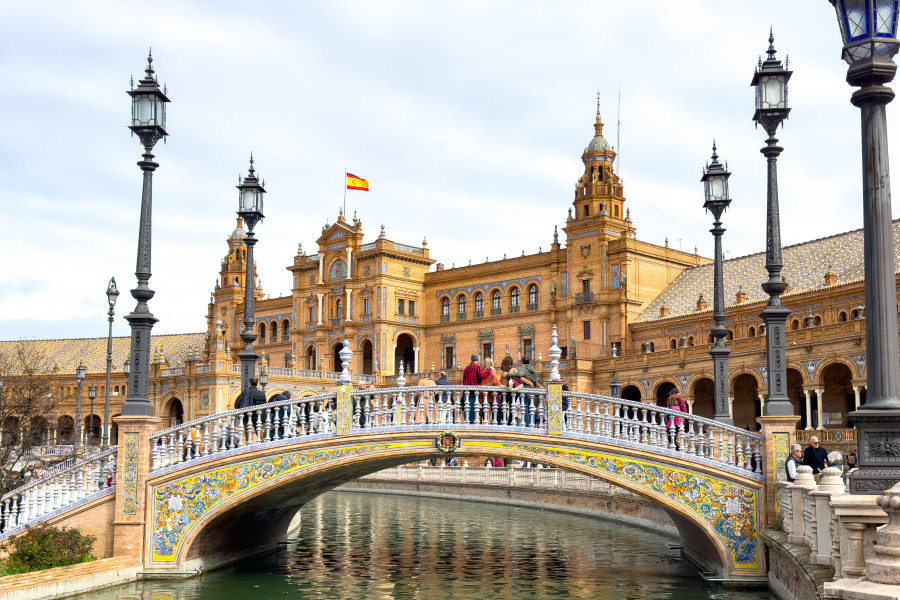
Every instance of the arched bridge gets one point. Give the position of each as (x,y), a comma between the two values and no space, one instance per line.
(215,489)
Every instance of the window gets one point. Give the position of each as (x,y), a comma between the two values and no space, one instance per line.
(445,309)
(586,286)
(479,303)
(262,333)
(461,305)
(448,357)
(795,325)
(532,297)
(495,302)
(367,306)
(274,339)
(401,306)
(527,348)
(751,332)
(312,314)
(285,330)
(338,309)
(673,345)
(842,317)
(514,297)
(338,270)
(487,350)
(587,209)
(411,305)
(587,330)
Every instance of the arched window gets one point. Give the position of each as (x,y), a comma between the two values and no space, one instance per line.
(751,332)
(262,333)
(673,345)
(285,330)
(817,320)
(842,317)
(690,340)
(730,335)
(274,329)
(795,325)
(495,302)
(479,304)
(338,309)
(533,297)
(445,309)
(461,305)
(652,347)
(514,300)
(338,270)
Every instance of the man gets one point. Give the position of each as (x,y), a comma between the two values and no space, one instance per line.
(815,456)
(526,373)
(682,405)
(472,376)
(257,396)
(793,461)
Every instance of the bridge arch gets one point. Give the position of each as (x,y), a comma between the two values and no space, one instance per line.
(214,507)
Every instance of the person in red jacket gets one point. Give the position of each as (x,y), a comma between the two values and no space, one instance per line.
(472,376)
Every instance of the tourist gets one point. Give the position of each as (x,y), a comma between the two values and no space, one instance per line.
(472,376)
(682,405)
(793,461)
(815,456)
(673,424)
(498,462)
(522,376)
(425,409)
(492,378)
(257,396)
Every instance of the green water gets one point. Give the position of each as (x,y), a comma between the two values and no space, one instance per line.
(378,546)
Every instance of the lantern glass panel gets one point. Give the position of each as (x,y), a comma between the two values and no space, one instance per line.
(855,20)
(160,113)
(886,18)
(716,188)
(772,92)
(248,200)
(142,112)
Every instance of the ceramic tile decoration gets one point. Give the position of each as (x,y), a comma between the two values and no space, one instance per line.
(129,493)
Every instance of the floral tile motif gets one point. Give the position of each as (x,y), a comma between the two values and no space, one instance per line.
(344,412)
(178,505)
(732,510)
(129,493)
(554,408)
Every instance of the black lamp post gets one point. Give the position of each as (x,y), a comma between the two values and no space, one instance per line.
(79,379)
(869,32)
(715,186)
(770,81)
(148,121)
(92,393)
(250,207)
(112,292)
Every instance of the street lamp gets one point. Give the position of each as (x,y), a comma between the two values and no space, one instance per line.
(148,121)
(615,387)
(715,186)
(79,379)
(92,393)
(250,207)
(264,379)
(112,292)
(869,32)
(770,80)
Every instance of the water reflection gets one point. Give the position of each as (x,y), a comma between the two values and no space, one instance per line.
(397,547)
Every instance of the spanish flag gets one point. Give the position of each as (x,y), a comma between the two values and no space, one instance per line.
(357,183)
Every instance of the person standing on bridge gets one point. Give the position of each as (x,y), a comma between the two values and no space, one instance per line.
(472,376)
(257,396)
(815,456)
(793,461)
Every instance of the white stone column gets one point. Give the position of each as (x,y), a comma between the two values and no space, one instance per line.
(731,406)
(393,358)
(762,403)
(690,407)
(349,254)
(856,396)
(415,359)
(819,393)
(347,307)
(319,312)
(808,410)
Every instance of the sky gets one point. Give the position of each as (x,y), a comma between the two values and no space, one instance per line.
(468,119)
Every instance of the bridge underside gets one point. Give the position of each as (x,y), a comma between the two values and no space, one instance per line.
(214,510)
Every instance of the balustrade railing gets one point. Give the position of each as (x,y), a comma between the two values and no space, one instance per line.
(279,371)
(171,371)
(200,369)
(61,486)
(309,373)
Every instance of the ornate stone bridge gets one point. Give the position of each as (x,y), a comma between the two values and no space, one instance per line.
(204,493)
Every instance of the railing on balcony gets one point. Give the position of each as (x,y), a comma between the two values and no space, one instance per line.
(200,369)
(171,371)
(478,314)
(445,318)
(495,312)
(405,248)
(367,247)
(584,298)
(461,316)
(514,308)
(312,258)
(308,373)
(532,307)
(826,436)
(335,322)
(279,371)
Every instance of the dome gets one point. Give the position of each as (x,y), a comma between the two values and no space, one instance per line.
(238,233)
(598,145)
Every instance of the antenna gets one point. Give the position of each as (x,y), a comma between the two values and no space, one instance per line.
(618,132)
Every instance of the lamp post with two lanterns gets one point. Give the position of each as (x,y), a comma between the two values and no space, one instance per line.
(869,32)
(112,292)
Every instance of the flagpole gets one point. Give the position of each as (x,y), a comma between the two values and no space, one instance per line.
(345,192)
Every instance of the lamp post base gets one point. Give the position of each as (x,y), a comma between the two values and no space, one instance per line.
(878,442)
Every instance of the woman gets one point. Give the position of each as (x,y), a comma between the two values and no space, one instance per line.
(674,422)
(492,378)
(426,411)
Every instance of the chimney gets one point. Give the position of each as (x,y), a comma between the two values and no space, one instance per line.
(830,277)
(740,296)
(663,311)
(701,303)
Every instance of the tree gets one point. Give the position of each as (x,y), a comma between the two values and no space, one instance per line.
(28,398)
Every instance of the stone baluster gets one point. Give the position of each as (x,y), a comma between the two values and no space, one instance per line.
(802,483)
(830,484)
(859,515)
(809,520)
(784,502)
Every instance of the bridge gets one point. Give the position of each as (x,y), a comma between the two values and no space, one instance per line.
(209,491)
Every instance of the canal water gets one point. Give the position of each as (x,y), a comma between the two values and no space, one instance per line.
(378,546)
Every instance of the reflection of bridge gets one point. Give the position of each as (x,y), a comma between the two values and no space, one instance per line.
(208,491)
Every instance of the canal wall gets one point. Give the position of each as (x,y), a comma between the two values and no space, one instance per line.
(550,489)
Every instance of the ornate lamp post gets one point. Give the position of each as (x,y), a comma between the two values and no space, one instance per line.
(92,393)
(770,81)
(112,292)
(869,32)
(250,207)
(79,379)
(715,185)
(264,378)
(148,121)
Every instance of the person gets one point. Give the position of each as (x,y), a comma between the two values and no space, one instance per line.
(673,424)
(815,456)
(453,462)
(793,461)
(472,376)
(522,376)
(682,405)
(851,460)
(498,462)
(257,396)
(425,409)
(493,378)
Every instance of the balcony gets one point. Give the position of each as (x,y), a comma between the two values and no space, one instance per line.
(532,307)
(495,311)
(513,309)
(478,314)
(445,318)
(336,322)
(584,298)
(461,316)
